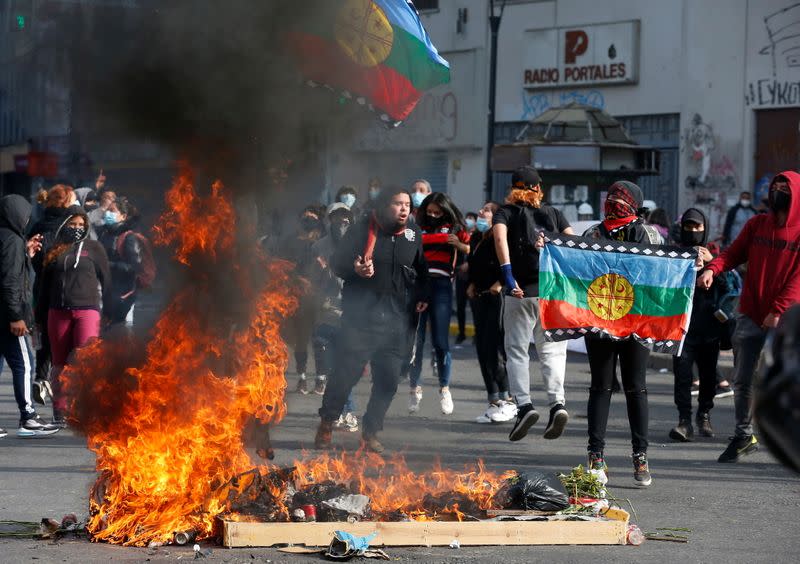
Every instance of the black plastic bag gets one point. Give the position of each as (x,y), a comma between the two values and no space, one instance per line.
(532,490)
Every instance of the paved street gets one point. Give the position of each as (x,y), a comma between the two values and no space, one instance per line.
(737,513)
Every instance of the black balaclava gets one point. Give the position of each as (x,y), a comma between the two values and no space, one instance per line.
(693,238)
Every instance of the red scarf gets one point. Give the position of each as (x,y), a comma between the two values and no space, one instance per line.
(617,223)
(372,236)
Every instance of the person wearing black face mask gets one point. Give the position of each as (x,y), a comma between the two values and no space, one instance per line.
(297,249)
(770,245)
(68,301)
(329,286)
(702,344)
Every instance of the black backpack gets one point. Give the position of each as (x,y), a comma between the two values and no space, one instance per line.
(522,243)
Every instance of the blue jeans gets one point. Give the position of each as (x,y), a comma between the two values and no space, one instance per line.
(439,310)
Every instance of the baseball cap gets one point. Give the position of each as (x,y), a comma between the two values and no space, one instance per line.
(525,177)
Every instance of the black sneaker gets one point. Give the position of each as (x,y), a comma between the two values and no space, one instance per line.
(319,387)
(59,421)
(723,391)
(695,388)
(526,418)
(704,428)
(557,422)
(738,447)
(35,427)
(460,339)
(641,470)
(3,433)
(683,432)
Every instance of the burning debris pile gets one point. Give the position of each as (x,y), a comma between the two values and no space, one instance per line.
(362,487)
(166,420)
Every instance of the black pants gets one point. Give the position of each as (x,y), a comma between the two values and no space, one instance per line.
(386,347)
(43,363)
(487,310)
(705,355)
(298,330)
(461,304)
(17,354)
(633,368)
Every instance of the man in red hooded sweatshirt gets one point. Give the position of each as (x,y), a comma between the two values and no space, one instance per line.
(770,245)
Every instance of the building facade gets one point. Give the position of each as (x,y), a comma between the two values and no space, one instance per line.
(714,84)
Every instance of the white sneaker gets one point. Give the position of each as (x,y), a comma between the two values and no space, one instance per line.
(487,415)
(507,411)
(446,401)
(414,397)
(351,422)
(339,423)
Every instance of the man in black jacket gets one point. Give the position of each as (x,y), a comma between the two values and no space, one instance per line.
(15,308)
(384,273)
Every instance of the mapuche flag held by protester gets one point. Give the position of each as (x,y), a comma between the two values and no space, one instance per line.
(616,290)
(375,52)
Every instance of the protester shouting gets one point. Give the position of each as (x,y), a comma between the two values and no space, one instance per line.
(74,277)
(485,295)
(622,223)
(702,343)
(444,235)
(770,245)
(383,267)
(517,228)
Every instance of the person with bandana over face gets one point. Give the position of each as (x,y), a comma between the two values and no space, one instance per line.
(444,235)
(770,245)
(69,301)
(383,267)
(300,326)
(518,227)
(329,286)
(622,223)
(702,343)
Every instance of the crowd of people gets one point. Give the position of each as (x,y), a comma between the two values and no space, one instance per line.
(377,277)
(384,274)
(71,267)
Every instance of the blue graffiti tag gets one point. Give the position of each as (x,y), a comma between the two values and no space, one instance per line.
(535,104)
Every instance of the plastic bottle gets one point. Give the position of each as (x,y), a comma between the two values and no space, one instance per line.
(635,535)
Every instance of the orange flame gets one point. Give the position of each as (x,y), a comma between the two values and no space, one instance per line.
(178,434)
(167,430)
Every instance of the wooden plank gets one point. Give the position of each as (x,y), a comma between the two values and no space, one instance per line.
(415,533)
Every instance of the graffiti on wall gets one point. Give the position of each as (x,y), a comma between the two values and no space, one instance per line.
(708,170)
(782,47)
(535,104)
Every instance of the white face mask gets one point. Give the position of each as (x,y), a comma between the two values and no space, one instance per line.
(745,203)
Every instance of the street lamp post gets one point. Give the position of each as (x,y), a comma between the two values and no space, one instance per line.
(494,26)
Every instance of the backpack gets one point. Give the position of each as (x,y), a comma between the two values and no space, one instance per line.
(526,231)
(147,272)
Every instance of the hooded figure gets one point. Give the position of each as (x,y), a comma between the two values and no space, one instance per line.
(16,274)
(69,301)
(702,344)
(770,245)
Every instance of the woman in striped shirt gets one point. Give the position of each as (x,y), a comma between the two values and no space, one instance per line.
(444,235)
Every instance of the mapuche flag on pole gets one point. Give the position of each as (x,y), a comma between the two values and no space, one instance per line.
(617,290)
(376,52)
